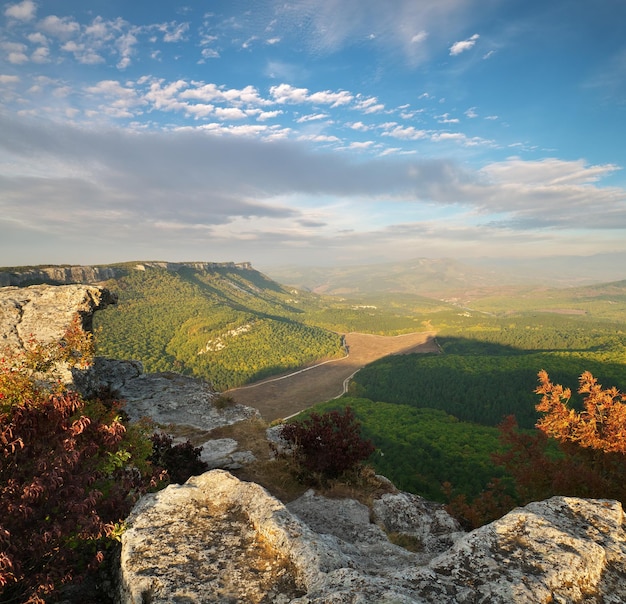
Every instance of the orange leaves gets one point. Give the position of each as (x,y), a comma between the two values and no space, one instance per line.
(600,426)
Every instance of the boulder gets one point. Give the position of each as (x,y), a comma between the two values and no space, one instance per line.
(217,539)
(165,397)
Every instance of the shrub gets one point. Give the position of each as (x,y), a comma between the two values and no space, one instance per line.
(574,453)
(181,461)
(68,475)
(590,456)
(328,445)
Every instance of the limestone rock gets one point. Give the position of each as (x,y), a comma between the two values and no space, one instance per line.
(217,539)
(166,397)
(432,528)
(563,549)
(44,312)
(222,453)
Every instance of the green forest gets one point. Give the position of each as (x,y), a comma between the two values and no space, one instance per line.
(232,325)
(229,326)
(435,415)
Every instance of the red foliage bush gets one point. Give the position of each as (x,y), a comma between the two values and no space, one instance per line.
(181,461)
(329,444)
(66,478)
(591,456)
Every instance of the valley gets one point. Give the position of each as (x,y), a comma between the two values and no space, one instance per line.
(283,396)
(431,407)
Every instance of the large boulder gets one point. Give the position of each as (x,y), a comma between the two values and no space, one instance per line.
(217,539)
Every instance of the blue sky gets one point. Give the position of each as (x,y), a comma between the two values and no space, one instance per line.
(311,131)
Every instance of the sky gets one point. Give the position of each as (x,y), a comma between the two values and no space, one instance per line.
(311,132)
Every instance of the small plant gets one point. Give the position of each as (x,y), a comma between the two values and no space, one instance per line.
(328,445)
(181,461)
(223,401)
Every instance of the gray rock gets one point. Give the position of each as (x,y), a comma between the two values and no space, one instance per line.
(44,312)
(217,539)
(411,515)
(222,453)
(563,549)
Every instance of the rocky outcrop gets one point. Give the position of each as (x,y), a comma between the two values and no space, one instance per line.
(165,397)
(62,275)
(59,275)
(217,539)
(44,312)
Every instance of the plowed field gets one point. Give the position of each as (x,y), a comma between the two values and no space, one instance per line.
(282,396)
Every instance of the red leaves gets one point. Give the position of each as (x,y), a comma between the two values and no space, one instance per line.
(602,424)
(328,444)
(587,456)
(58,493)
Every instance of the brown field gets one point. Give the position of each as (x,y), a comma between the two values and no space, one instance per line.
(282,396)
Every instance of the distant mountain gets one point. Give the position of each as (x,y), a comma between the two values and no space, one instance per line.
(422,276)
(561,271)
(445,277)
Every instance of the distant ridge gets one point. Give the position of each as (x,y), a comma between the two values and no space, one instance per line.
(68,274)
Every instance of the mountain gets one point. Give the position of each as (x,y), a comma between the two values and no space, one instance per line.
(445,277)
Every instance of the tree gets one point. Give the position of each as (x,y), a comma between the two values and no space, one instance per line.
(574,453)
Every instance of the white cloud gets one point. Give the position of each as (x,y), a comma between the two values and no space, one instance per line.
(312,117)
(458,47)
(60,27)
(408,133)
(419,37)
(361,145)
(268,115)
(369,105)
(37,38)
(23,11)
(40,55)
(284,93)
(334,99)
(173,32)
(446,119)
(471,113)
(9,79)
(230,113)
(358,126)
(125,45)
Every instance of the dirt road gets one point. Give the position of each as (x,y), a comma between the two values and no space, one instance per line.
(285,395)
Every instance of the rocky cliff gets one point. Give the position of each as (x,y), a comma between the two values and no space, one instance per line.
(218,539)
(44,313)
(64,275)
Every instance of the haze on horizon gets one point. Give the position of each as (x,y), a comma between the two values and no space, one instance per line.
(311,131)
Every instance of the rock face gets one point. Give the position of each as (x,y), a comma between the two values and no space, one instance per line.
(58,275)
(44,312)
(62,275)
(217,539)
(165,397)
